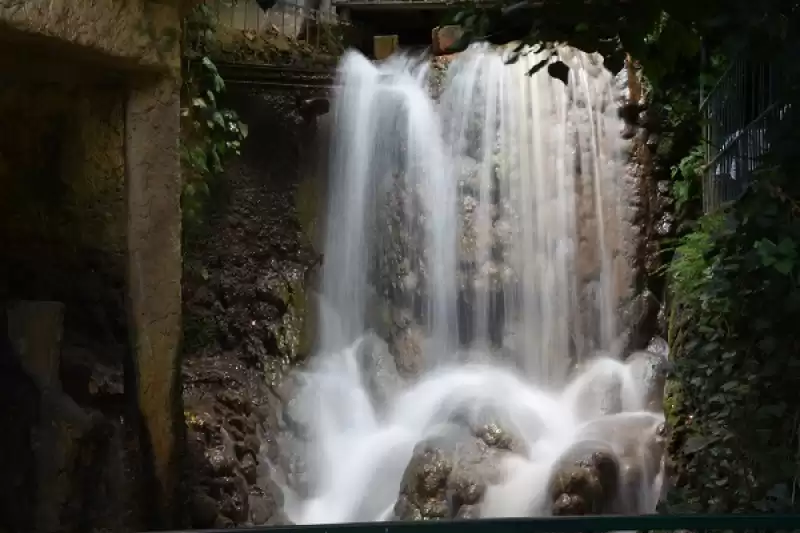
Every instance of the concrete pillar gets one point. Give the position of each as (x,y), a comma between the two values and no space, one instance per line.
(152,130)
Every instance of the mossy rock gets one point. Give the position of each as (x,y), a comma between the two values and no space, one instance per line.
(293,334)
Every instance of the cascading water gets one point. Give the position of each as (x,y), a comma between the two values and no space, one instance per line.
(471,242)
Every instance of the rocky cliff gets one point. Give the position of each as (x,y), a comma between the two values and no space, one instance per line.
(246,320)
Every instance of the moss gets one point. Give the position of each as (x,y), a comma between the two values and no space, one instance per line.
(292,334)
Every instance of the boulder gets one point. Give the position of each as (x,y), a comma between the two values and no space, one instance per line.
(638,440)
(585,480)
(446,479)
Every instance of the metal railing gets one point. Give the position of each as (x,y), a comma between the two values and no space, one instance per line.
(566,524)
(259,77)
(292,20)
(739,113)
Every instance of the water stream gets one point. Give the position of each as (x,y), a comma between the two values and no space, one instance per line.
(471,267)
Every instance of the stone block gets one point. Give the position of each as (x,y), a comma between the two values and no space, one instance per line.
(444,37)
(384,46)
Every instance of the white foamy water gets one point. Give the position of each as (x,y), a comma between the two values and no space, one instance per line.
(485,222)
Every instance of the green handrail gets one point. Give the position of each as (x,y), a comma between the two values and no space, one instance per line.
(565,524)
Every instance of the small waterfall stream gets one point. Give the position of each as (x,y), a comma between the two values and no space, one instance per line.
(481,227)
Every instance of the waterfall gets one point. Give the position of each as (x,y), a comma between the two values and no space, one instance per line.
(472,261)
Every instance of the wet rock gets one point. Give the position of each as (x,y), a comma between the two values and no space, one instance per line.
(249,468)
(468,512)
(220,462)
(264,506)
(649,371)
(407,349)
(445,476)
(639,439)
(494,435)
(260,511)
(423,488)
(203,510)
(658,346)
(380,369)
(597,389)
(279,519)
(585,480)
(487,423)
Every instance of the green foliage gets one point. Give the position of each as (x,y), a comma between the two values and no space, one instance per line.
(687,176)
(212,134)
(661,35)
(736,288)
(735,284)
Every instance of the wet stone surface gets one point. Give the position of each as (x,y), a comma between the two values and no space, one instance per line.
(244,311)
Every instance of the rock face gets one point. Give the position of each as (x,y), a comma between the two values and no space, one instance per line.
(649,213)
(245,302)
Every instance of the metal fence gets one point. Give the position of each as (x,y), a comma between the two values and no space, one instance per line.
(739,113)
(290,19)
(772,523)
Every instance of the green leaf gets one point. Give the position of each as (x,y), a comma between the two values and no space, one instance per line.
(219,83)
(787,246)
(209,64)
(218,119)
(775,411)
(784,266)
(695,443)
(730,386)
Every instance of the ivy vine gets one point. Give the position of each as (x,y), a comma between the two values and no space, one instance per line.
(735,289)
(211,133)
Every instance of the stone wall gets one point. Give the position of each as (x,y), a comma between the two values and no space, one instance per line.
(90,262)
(62,174)
(130,34)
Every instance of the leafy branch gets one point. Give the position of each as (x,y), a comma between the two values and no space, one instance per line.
(211,133)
